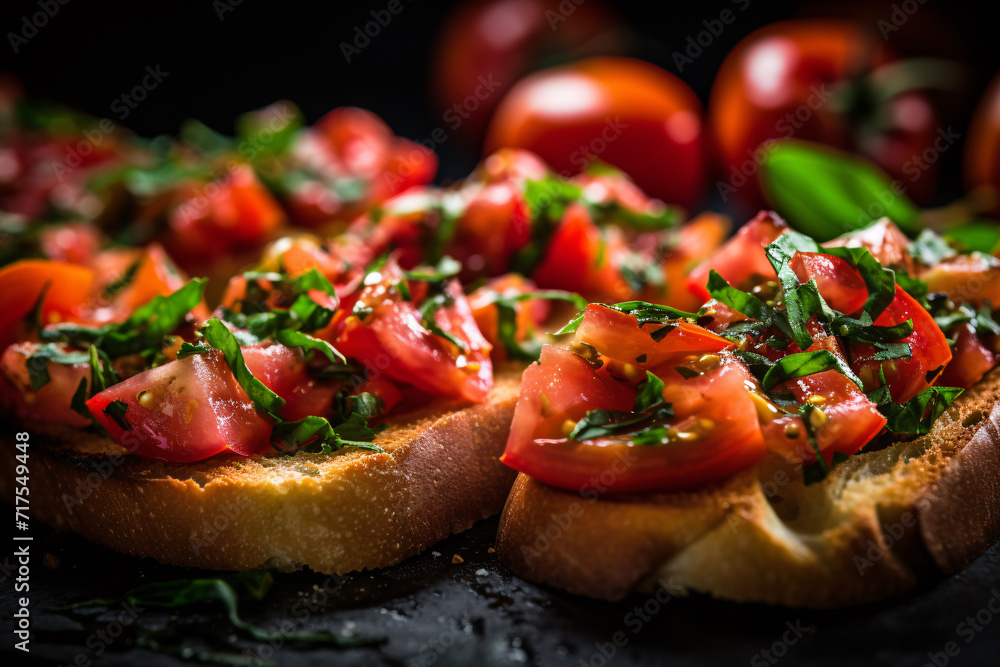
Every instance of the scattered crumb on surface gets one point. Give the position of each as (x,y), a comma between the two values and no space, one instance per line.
(456,559)
(491,550)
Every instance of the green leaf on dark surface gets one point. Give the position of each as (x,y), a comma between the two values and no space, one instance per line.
(229,591)
(824,192)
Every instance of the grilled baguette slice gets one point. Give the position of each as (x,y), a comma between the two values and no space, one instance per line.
(879,522)
(333,513)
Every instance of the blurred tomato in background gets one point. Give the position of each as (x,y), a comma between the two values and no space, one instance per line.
(831,81)
(982,148)
(625,112)
(487,45)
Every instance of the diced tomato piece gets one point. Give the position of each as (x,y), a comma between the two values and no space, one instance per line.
(185,410)
(714,411)
(741,259)
(392,339)
(68,292)
(51,403)
(283,371)
(840,285)
(971,361)
(618,336)
(580,259)
(886,242)
(971,278)
(849,420)
(928,346)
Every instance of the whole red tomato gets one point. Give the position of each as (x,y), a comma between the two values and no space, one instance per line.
(819,80)
(487,45)
(982,148)
(625,112)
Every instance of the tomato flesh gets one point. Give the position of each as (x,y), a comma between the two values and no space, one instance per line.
(741,259)
(52,401)
(185,410)
(972,360)
(69,290)
(563,387)
(849,419)
(619,337)
(392,339)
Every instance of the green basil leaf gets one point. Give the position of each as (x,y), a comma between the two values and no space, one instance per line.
(982,236)
(738,300)
(221,338)
(547,200)
(801,364)
(917,415)
(38,363)
(291,338)
(116,410)
(825,192)
(142,332)
(446,268)
(188,349)
(651,395)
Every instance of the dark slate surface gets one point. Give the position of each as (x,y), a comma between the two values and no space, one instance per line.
(430,611)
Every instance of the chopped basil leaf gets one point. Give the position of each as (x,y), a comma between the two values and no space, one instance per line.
(801,364)
(427,319)
(917,415)
(547,200)
(651,395)
(142,332)
(187,349)
(738,300)
(116,410)
(290,437)
(221,338)
(38,363)
(79,401)
(446,268)
(507,319)
(291,338)
(365,404)
(642,311)
(686,373)
(649,409)
(123,281)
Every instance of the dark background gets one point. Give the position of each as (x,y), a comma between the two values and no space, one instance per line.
(259,52)
(90,53)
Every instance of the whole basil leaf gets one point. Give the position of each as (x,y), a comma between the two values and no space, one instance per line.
(825,192)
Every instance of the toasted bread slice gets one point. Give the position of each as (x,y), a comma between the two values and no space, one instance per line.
(878,523)
(333,513)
